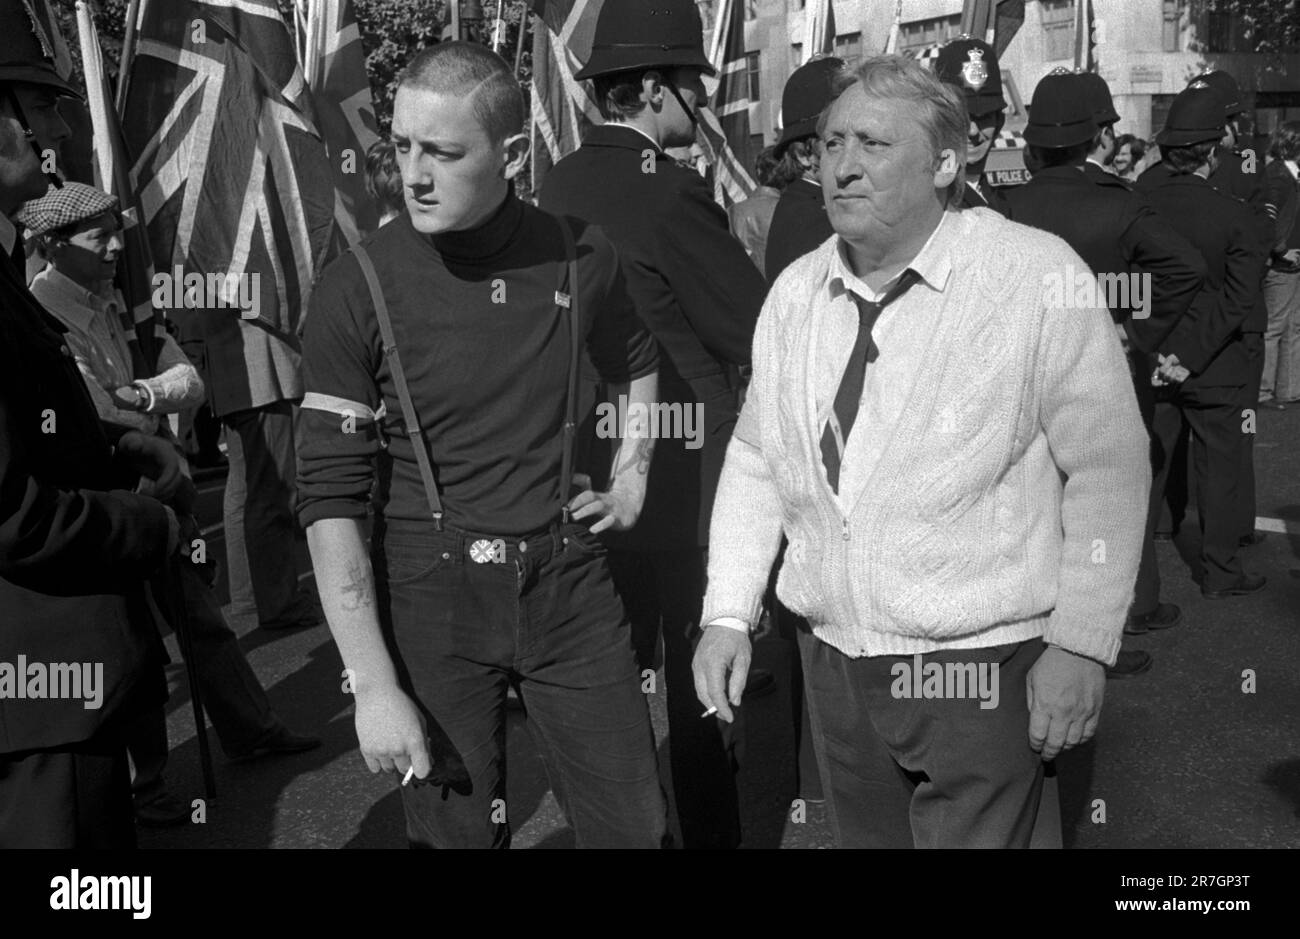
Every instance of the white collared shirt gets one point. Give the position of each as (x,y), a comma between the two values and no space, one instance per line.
(653,142)
(902,334)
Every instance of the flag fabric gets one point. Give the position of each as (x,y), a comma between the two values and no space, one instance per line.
(334,67)
(819,30)
(731,106)
(1009,17)
(891,42)
(1085,46)
(113,174)
(563,107)
(234,183)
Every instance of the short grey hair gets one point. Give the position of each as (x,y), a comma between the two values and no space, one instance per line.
(941,108)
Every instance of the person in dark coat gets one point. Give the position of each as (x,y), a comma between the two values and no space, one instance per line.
(1118,234)
(699,293)
(1210,348)
(1101,155)
(79,655)
(799,223)
(971,66)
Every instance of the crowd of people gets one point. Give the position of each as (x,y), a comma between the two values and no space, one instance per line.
(923,456)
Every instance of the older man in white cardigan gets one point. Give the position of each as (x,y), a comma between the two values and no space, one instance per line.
(954,451)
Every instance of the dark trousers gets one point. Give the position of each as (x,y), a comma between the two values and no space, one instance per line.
(1146,590)
(233,697)
(74,797)
(259,520)
(1216,446)
(924,772)
(1246,509)
(665,589)
(548,620)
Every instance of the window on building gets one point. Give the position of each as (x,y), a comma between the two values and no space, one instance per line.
(752,69)
(931,32)
(1173,25)
(849,46)
(1058,29)
(796,54)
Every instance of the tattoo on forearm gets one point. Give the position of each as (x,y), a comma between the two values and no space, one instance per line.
(359,590)
(638,459)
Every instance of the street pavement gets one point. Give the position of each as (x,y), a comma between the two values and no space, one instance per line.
(1203,751)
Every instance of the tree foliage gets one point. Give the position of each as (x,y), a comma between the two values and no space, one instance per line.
(1271,27)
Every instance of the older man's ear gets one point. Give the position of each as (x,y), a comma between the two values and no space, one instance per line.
(946,171)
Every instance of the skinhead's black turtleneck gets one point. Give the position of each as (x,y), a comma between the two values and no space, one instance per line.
(485,349)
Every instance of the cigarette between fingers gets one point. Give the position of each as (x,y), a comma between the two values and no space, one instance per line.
(409,773)
(710,712)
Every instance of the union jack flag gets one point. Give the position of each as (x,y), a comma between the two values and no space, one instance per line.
(334,66)
(563,108)
(726,128)
(233,180)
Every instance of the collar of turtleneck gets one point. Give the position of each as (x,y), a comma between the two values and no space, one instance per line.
(486,241)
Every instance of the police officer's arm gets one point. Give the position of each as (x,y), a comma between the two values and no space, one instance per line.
(337,441)
(716,284)
(744,534)
(1197,341)
(626,358)
(73,540)
(1281,197)
(1151,245)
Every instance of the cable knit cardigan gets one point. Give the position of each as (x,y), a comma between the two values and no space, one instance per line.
(1009,502)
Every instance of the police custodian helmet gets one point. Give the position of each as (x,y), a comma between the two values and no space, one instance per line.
(806,95)
(645,34)
(971,66)
(1061,114)
(26,53)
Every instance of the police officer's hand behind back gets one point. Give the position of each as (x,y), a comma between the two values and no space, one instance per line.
(391,731)
(154,459)
(722,650)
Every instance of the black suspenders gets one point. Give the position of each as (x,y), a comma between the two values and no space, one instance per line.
(566,297)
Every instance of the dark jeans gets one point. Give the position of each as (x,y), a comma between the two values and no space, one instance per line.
(665,590)
(548,620)
(924,772)
(260,527)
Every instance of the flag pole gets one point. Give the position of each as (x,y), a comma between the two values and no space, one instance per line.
(523,34)
(128,56)
(498,31)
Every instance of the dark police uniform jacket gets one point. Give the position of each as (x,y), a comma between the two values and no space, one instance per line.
(75,547)
(990,198)
(695,288)
(1220,227)
(799,225)
(1115,231)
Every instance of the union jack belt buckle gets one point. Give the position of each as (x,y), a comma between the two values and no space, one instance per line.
(488,551)
(562,299)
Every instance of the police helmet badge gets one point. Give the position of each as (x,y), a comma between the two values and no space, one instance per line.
(975,72)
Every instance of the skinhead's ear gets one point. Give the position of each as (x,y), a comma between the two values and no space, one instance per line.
(515,149)
(946,173)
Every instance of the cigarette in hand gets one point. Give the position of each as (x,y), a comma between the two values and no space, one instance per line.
(409,773)
(709,713)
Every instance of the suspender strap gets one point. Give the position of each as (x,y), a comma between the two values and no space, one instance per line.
(409,416)
(567,297)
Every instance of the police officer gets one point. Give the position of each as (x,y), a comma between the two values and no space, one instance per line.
(75,544)
(972,67)
(1211,349)
(699,293)
(1104,115)
(1116,233)
(799,223)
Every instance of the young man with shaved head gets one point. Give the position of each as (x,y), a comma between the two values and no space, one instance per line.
(440,364)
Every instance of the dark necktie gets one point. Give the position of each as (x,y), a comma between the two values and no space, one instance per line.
(855,375)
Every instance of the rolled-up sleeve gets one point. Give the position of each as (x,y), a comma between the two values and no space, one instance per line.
(337,432)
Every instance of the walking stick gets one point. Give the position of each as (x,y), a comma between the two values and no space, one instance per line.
(181,624)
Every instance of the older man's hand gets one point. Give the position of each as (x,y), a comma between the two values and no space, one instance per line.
(721,666)
(1065,692)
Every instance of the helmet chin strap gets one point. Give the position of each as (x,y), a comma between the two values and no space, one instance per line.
(55,180)
(690,112)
